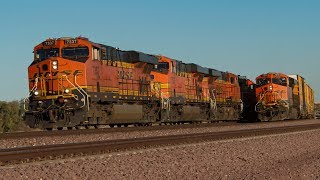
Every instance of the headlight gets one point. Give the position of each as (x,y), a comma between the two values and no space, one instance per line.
(36,93)
(270,87)
(67,91)
(55,65)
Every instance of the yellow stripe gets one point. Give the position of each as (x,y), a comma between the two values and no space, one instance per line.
(66,96)
(164,85)
(102,89)
(118,64)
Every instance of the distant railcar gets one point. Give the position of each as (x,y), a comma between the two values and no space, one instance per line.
(302,96)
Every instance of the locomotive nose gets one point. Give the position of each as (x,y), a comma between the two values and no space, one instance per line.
(52,77)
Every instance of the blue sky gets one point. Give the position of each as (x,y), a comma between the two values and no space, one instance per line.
(247,37)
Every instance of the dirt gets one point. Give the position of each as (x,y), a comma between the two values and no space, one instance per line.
(288,156)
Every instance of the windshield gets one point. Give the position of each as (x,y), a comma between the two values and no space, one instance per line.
(163,65)
(280,81)
(43,54)
(76,53)
(263,81)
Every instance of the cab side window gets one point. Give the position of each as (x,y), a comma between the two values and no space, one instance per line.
(95,53)
(174,70)
(280,81)
(162,67)
(232,80)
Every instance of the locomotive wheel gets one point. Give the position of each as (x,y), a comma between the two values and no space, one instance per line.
(111,125)
(60,128)
(49,129)
(69,128)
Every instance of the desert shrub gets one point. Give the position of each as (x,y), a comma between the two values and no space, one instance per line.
(10,115)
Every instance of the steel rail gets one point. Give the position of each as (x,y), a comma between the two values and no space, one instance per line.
(36,134)
(36,153)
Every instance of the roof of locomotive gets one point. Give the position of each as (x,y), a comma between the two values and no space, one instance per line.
(132,56)
(272,74)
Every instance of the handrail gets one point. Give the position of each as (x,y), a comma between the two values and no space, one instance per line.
(75,81)
(213,100)
(165,102)
(80,90)
(35,87)
(255,107)
(241,105)
(276,93)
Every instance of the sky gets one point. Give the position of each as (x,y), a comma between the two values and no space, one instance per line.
(247,37)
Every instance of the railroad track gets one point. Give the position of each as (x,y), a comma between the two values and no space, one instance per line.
(37,153)
(32,134)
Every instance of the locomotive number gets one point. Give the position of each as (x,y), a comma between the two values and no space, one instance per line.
(70,41)
(48,43)
(125,75)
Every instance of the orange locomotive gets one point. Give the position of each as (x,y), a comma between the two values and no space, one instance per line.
(191,93)
(75,82)
(283,97)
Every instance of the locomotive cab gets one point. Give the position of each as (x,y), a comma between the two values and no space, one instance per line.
(57,83)
(74,82)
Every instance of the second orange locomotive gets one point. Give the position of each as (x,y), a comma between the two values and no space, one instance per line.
(283,96)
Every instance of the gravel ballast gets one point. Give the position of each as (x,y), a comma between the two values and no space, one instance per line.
(38,141)
(294,155)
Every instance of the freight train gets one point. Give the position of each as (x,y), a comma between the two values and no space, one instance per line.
(281,96)
(75,82)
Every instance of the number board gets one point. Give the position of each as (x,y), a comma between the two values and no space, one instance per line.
(48,43)
(70,41)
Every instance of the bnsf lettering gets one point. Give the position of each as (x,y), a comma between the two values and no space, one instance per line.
(125,75)
(70,41)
